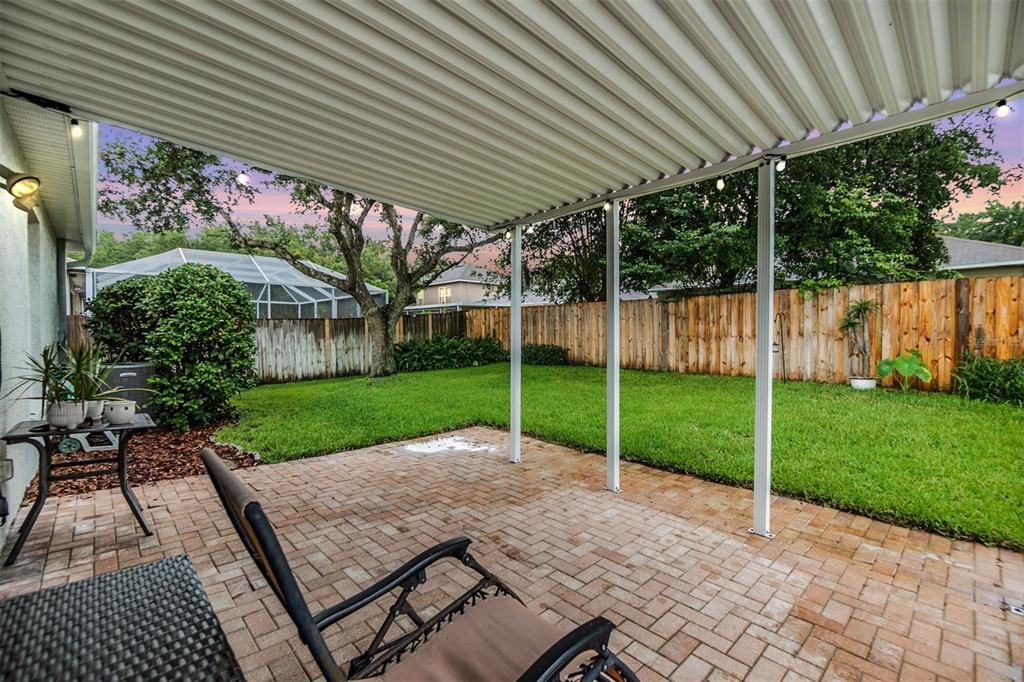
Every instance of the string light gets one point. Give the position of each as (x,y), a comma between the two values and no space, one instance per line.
(242,179)
(720,184)
(607,205)
(780,165)
(76,129)
(508,234)
(529,230)
(1002,109)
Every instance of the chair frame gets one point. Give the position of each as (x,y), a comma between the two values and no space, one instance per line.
(269,557)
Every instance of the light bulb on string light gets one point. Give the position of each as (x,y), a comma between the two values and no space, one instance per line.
(720,184)
(1002,109)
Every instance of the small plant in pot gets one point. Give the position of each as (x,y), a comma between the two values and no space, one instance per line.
(87,376)
(70,392)
(855,324)
(58,403)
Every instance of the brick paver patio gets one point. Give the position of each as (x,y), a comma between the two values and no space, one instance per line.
(833,596)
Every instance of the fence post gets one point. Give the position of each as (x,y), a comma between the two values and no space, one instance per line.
(366,347)
(328,349)
(962,320)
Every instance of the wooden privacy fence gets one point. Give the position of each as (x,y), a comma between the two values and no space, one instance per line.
(716,334)
(293,350)
(711,334)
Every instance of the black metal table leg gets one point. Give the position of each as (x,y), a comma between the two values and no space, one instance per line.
(43,447)
(122,475)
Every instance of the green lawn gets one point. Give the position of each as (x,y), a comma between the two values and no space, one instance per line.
(926,460)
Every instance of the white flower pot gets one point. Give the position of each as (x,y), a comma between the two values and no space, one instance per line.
(94,410)
(119,411)
(862,383)
(65,415)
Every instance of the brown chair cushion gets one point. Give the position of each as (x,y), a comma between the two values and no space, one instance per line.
(494,641)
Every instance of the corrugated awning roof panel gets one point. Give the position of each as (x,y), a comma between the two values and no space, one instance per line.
(486,112)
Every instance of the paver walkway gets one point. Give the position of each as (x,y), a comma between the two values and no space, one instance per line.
(833,596)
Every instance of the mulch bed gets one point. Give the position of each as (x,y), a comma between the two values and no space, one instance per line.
(153,456)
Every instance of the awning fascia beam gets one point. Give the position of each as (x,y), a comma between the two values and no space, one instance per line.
(837,138)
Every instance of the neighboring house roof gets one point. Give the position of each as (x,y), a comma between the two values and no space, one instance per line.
(241,266)
(965,254)
(66,166)
(462,273)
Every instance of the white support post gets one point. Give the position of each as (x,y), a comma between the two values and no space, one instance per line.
(516,345)
(612,340)
(763,358)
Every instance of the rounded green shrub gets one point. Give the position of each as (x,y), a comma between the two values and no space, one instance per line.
(119,321)
(202,345)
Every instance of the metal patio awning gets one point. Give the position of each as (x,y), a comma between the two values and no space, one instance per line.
(504,111)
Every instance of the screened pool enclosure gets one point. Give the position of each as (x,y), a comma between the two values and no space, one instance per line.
(278,290)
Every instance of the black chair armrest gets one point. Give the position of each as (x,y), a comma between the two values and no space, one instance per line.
(412,571)
(591,636)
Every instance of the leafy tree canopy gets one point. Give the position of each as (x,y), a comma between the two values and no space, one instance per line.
(161,187)
(862,212)
(997,223)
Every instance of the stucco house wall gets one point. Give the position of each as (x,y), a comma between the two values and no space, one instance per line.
(29,266)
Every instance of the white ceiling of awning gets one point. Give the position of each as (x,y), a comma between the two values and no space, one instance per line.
(487,112)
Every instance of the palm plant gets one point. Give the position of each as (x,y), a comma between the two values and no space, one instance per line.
(48,372)
(87,373)
(855,323)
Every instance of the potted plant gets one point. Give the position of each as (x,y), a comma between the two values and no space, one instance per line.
(59,406)
(87,376)
(855,323)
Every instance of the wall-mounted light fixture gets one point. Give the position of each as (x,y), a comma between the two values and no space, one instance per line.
(24,188)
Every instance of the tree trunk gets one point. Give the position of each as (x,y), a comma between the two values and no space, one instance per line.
(381,331)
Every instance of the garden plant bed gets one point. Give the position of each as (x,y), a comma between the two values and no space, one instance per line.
(153,456)
(924,460)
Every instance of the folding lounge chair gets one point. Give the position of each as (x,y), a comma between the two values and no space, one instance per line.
(485,634)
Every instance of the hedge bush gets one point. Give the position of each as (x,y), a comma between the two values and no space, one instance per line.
(997,381)
(203,344)
(119,320)
(194,323)
(545,354)
(445,352)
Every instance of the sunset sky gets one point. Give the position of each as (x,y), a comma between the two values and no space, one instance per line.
(1009,140)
